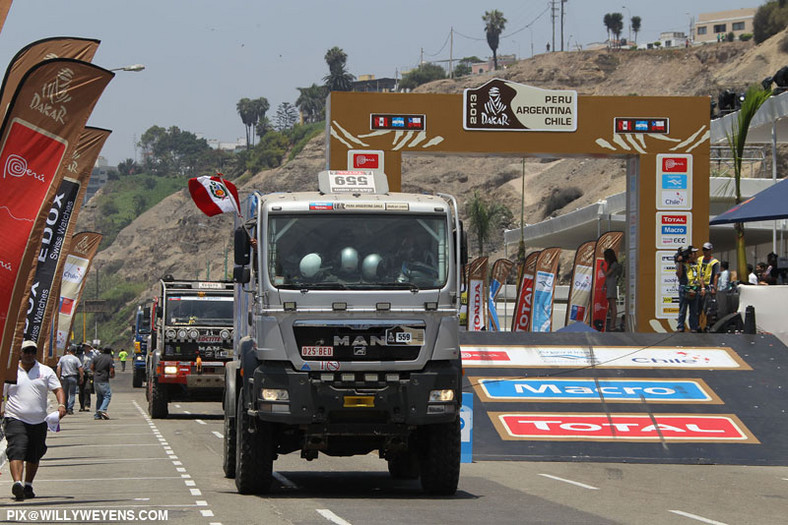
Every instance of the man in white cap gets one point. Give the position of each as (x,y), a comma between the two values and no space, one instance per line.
(25,414)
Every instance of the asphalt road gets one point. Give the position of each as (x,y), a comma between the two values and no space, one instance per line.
(132,469)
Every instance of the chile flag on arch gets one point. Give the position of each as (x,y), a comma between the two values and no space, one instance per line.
(214,195)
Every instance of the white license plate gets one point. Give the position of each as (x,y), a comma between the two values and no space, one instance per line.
(317,351)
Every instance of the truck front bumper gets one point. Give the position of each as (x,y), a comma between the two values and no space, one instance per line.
(284,395)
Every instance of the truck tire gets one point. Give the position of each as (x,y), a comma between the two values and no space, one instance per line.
(254,454)
(157,400)
(404,465)
(228,458)
(136,379)
(440,458)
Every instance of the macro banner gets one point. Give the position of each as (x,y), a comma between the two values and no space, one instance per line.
(40,131)
(56,47)
(477,294)
(83,247)
(544,287)
(577,310)
(498,275)
(523,309)
(44,293)
(607,240)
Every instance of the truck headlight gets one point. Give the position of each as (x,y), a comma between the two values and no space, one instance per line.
(170,333)
(181,334)
(225,334)
(441,396)
(170,370)
(275,394)
(193,333)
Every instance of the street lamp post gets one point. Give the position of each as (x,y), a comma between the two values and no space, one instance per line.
(133,67)
(629,24)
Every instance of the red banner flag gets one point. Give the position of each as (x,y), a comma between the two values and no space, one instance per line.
(523,307)
(214,195)
(40,130)
(577,308)
(607,240)
(57,47)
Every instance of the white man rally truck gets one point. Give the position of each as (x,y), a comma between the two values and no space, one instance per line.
(141,333)
(190,343)
(347,332)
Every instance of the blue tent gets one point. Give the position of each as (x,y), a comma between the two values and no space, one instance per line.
(767,205)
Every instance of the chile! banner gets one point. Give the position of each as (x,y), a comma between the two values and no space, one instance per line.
(523,309)
(577,310)
(544,288)
(40,131)
(607,240)
(500,271)
(44,293)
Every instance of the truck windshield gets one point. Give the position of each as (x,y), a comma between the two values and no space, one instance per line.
(357,252)
(205,310)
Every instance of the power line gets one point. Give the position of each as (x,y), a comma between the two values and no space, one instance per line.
(442,47)
(527,26)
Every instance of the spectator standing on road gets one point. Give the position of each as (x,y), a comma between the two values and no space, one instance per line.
(71,374)
(724,280)
(24,418)
(86,388)
(122,355)
(613,271)
(103,367)
(690,282)
(751,277)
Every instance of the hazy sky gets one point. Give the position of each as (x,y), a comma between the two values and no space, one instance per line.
(202,56)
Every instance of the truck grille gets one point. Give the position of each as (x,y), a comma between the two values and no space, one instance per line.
(335,341)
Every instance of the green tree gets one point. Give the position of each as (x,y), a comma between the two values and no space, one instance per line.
(616,26)
(312,103)
(608,21)
(737,138)
(463,67)
(128,167)
(485,217)
(635,24)
(338,79)
(494,24)
(138,204)
(248,117)
(426,72)
(174,151)
(770,19)
(286,116)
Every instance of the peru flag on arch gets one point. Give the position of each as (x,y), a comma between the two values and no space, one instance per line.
(214,195)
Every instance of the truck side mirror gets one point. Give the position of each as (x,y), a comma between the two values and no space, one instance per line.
(463,245)
(241,275)
(241,246)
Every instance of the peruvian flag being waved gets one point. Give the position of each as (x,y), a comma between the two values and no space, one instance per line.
(214,195)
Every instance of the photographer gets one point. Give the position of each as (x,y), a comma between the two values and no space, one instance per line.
(690,285)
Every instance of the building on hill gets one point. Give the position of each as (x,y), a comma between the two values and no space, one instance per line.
(98,177)
(239,144)
(713,27)
(504,61)
(368,83)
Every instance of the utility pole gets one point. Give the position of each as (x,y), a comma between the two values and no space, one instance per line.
(562,24)
(553,15)
(451,52)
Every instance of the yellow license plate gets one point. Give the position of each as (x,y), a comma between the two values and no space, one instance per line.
(359,401)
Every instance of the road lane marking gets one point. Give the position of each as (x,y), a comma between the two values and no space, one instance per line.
(333,518)
(206,513)
(195,492)
(190,483)
(95,479)
(217,434)
(696,517)
(200,421)
(201,503)
(284,481)
(577,483)
(186,412)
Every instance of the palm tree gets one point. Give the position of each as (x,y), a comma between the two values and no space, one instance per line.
(635,24)
(616,26)
(494,24)
(737,138)
(248,117)
(608,21)
(312,103)
(259,106)
(338,79)
(484,217)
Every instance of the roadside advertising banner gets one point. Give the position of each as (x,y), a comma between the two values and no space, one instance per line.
(523,308)
(607,240)
(39,132)
(72,282)
(56,47)
(577,310)
(44,293)
(477,294)
(544,287)
(500,271)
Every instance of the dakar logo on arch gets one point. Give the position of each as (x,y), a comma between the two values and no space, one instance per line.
(500,105)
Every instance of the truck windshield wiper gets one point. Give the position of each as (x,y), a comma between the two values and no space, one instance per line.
(321,286)
(398,286)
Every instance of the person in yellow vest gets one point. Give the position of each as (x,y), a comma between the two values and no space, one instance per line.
(123,355)
(690,284)
(710,273)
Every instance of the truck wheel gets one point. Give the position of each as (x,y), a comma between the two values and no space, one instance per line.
(228,462)
(440,458)
(404,465)
(157,402)
(136,379)
(254,454)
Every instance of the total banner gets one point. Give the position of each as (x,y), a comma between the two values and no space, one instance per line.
(477,294)
(58,235)
(40,131)
(56,47)
(577,310)
(544,288)
(523,308)
(72,283)
(498,275)
(611,240)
